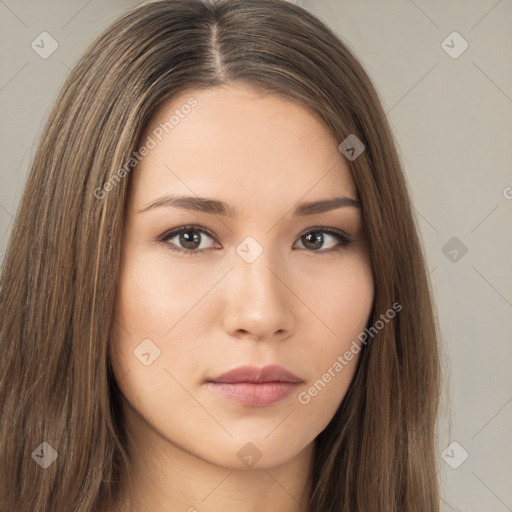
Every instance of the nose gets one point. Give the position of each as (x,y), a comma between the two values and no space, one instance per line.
(258,303)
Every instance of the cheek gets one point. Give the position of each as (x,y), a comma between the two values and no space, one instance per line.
(341,295)
(138,308)
(159,303)
(154,296)
(343,303)
(148,305)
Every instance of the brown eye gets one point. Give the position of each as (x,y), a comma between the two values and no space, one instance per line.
(315,240)
(186,239)
(193,240)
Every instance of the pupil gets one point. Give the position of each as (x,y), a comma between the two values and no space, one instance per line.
(188,240)
(315,240)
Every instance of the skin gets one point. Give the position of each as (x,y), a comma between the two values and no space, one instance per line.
(295,305)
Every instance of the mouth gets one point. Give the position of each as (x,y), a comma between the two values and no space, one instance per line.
(255,387)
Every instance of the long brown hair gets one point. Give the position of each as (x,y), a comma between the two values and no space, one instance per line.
(58,282)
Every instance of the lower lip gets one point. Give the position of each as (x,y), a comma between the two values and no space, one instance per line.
(254,394)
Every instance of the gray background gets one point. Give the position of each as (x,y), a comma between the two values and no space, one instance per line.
(452,121)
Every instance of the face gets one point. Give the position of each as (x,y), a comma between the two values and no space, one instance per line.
(252,277)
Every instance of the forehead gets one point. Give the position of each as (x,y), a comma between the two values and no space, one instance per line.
(232,139)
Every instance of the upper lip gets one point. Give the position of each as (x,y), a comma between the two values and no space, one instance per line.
(270,373)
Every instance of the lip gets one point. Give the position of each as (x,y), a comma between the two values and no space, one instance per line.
(249,373)
(255,387)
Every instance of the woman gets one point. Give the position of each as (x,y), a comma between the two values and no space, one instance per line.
(214,295)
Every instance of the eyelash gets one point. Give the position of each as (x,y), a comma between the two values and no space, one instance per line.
(344,240)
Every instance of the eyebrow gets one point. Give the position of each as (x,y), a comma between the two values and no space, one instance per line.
(214,207)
